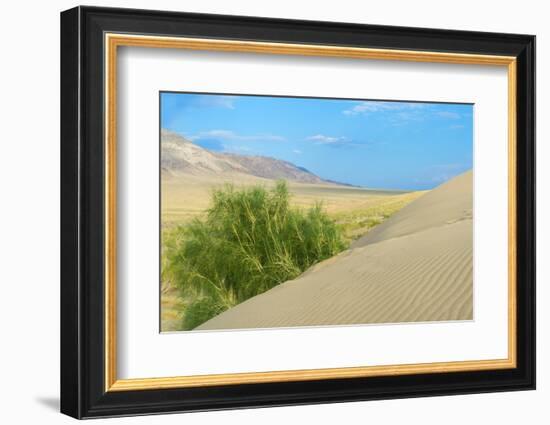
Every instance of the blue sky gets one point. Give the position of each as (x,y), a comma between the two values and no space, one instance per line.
(376,144)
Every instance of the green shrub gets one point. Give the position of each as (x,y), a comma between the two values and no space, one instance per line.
(250,241)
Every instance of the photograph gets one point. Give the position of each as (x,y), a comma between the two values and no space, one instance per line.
(282,212)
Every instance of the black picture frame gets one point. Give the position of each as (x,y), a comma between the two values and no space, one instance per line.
(83,392)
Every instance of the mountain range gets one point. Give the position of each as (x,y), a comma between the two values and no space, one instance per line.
(181,156)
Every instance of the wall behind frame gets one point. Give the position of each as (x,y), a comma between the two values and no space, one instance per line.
(29,217)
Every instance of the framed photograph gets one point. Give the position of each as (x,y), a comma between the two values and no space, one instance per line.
(261,212)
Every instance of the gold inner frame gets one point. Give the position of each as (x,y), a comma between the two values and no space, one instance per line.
(113,41)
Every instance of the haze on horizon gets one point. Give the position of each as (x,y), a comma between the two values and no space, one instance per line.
(375,144)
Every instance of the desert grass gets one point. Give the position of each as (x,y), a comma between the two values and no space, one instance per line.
(358,222)
(186,197)
(250,240)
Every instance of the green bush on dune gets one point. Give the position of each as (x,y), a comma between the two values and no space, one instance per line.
(250,241)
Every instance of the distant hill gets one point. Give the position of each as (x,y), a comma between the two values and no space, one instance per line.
(181,156)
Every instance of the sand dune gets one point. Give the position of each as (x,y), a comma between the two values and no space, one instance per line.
(417,266)
(450,202)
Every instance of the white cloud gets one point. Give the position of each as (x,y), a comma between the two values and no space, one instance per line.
(402,113)
(229,135)
(321,139)
(364,108)
(448,115)
(339,141)
(297,151)
(217,101)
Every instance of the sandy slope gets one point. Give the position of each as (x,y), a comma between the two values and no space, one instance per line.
(417,266)
(450,202)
